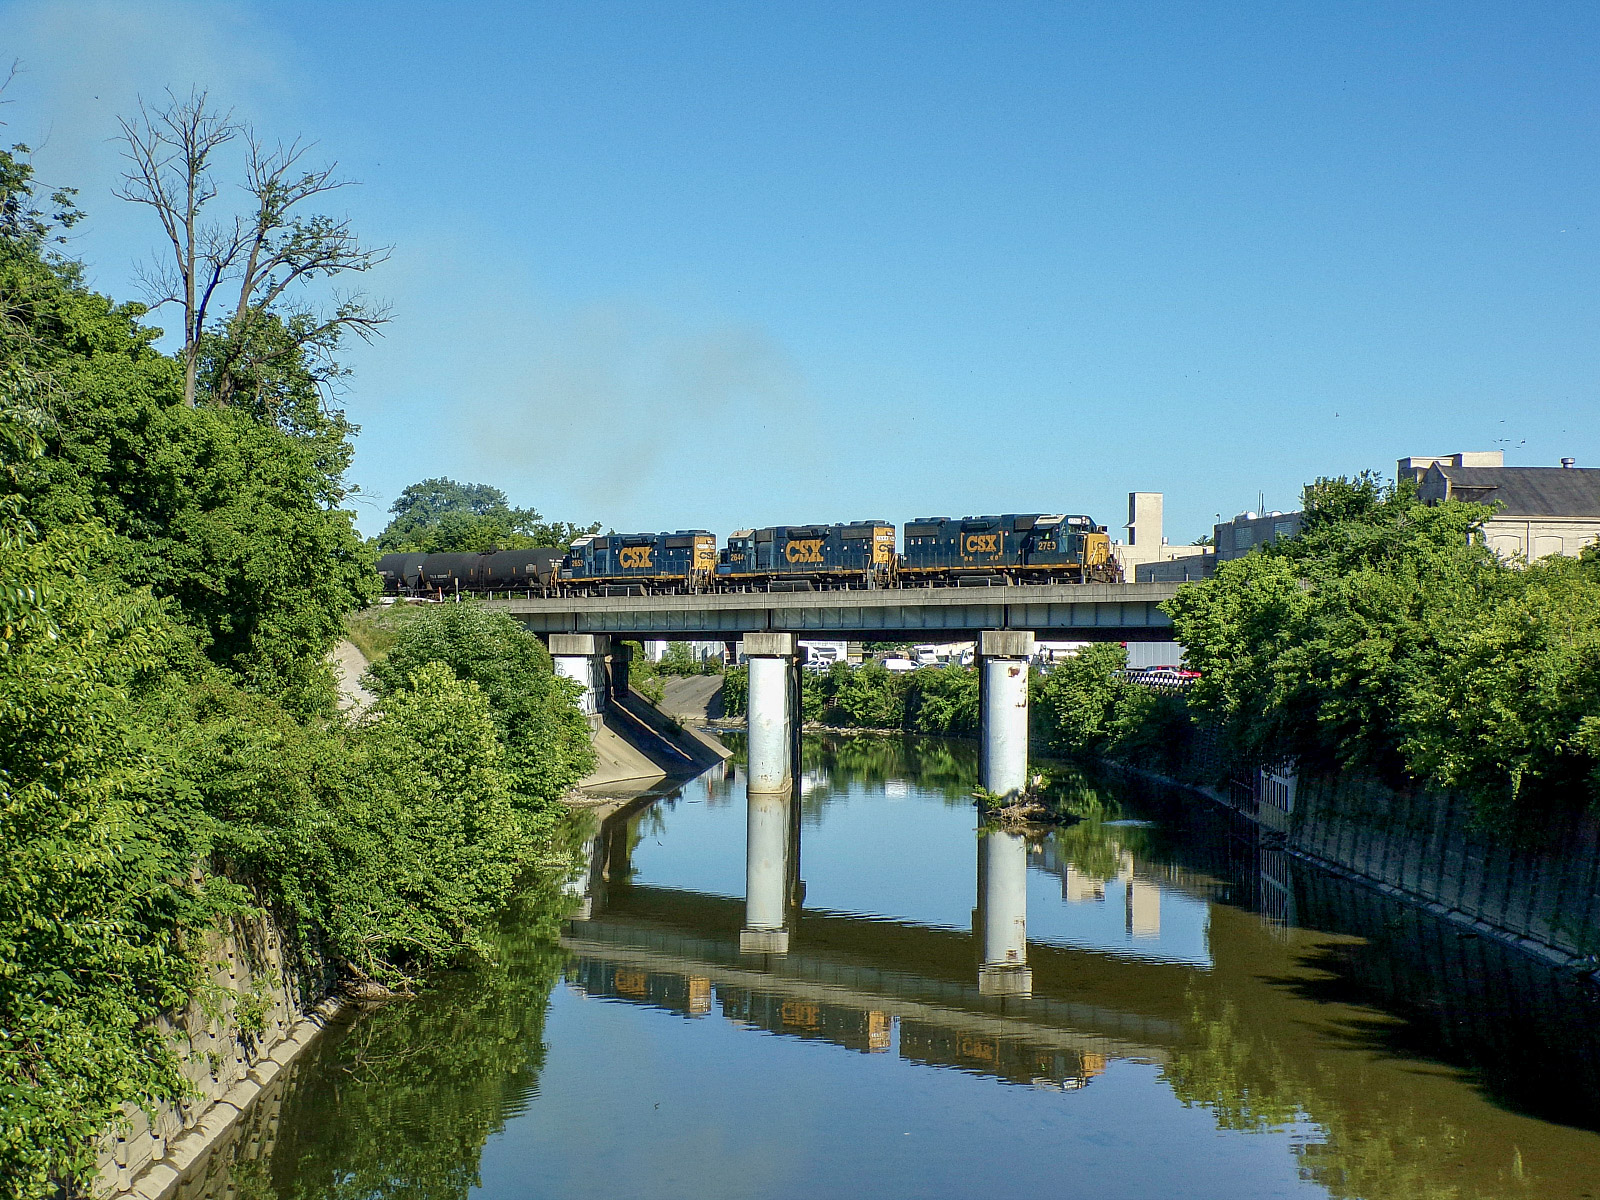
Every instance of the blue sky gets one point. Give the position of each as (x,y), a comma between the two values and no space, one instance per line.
(679,265)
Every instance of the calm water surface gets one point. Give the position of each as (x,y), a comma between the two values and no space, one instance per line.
(835,997)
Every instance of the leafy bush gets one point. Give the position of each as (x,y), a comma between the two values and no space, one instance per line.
(944,700)
(1389,637)
(97,900)
(736,691)
(546,739)
(677,660)
(385,848)
(868,697)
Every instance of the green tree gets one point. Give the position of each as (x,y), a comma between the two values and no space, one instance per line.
(1076,701)
(234,519)
(441,515)
(545,736)
(1388,637)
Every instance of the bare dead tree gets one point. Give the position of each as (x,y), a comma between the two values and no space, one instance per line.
(171,151)
(268,251)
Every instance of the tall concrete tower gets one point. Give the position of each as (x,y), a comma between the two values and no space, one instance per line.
(1144,531)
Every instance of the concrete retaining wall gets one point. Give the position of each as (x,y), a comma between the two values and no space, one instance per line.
(1539,887)
(250,1016)
(1542,888)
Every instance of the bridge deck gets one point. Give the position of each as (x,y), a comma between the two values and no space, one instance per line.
(1090,611)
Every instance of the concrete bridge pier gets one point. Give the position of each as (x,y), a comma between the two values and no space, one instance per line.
(1003,658)
(1003,914)
(769,848)
(581,657)
(772,703)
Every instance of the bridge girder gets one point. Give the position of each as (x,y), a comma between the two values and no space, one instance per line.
(1067,612)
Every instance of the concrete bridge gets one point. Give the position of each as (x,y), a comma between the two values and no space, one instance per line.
(1087,611)
(1003,620)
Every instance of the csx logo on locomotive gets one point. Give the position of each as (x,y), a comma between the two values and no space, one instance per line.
(634,556)
(806,551)
(980,543)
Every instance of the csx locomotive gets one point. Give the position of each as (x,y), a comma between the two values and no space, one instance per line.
(938,551)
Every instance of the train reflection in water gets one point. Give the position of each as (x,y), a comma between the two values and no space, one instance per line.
(1172,959)
(692,955)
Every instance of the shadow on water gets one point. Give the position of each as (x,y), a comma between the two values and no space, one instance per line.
(1425,989)
(1397,1059)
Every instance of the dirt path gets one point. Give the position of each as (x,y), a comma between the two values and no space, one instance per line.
(349,665)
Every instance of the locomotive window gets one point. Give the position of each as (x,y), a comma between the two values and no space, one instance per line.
(679,543)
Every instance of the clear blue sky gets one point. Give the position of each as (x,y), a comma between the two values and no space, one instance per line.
(675,265)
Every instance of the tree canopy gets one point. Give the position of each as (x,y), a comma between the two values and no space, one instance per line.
(232,517)
(441,515)
(172,578)
(1389,637)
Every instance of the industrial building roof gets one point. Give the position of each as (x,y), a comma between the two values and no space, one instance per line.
(1520,491)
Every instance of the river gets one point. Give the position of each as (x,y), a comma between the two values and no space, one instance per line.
(1189,1014)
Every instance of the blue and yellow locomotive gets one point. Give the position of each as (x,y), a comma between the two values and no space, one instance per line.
(859,554)
(1013,548)
(653,562)
(938,551)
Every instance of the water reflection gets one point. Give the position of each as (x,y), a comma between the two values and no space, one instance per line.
(1003,914)
(771,871)
(1128,970)
(1204,977)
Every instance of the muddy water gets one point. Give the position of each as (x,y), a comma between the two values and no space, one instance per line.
(861,992)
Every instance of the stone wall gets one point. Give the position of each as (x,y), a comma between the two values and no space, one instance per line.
(251,1015)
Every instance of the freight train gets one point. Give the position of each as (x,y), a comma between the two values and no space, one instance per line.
(937,552)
